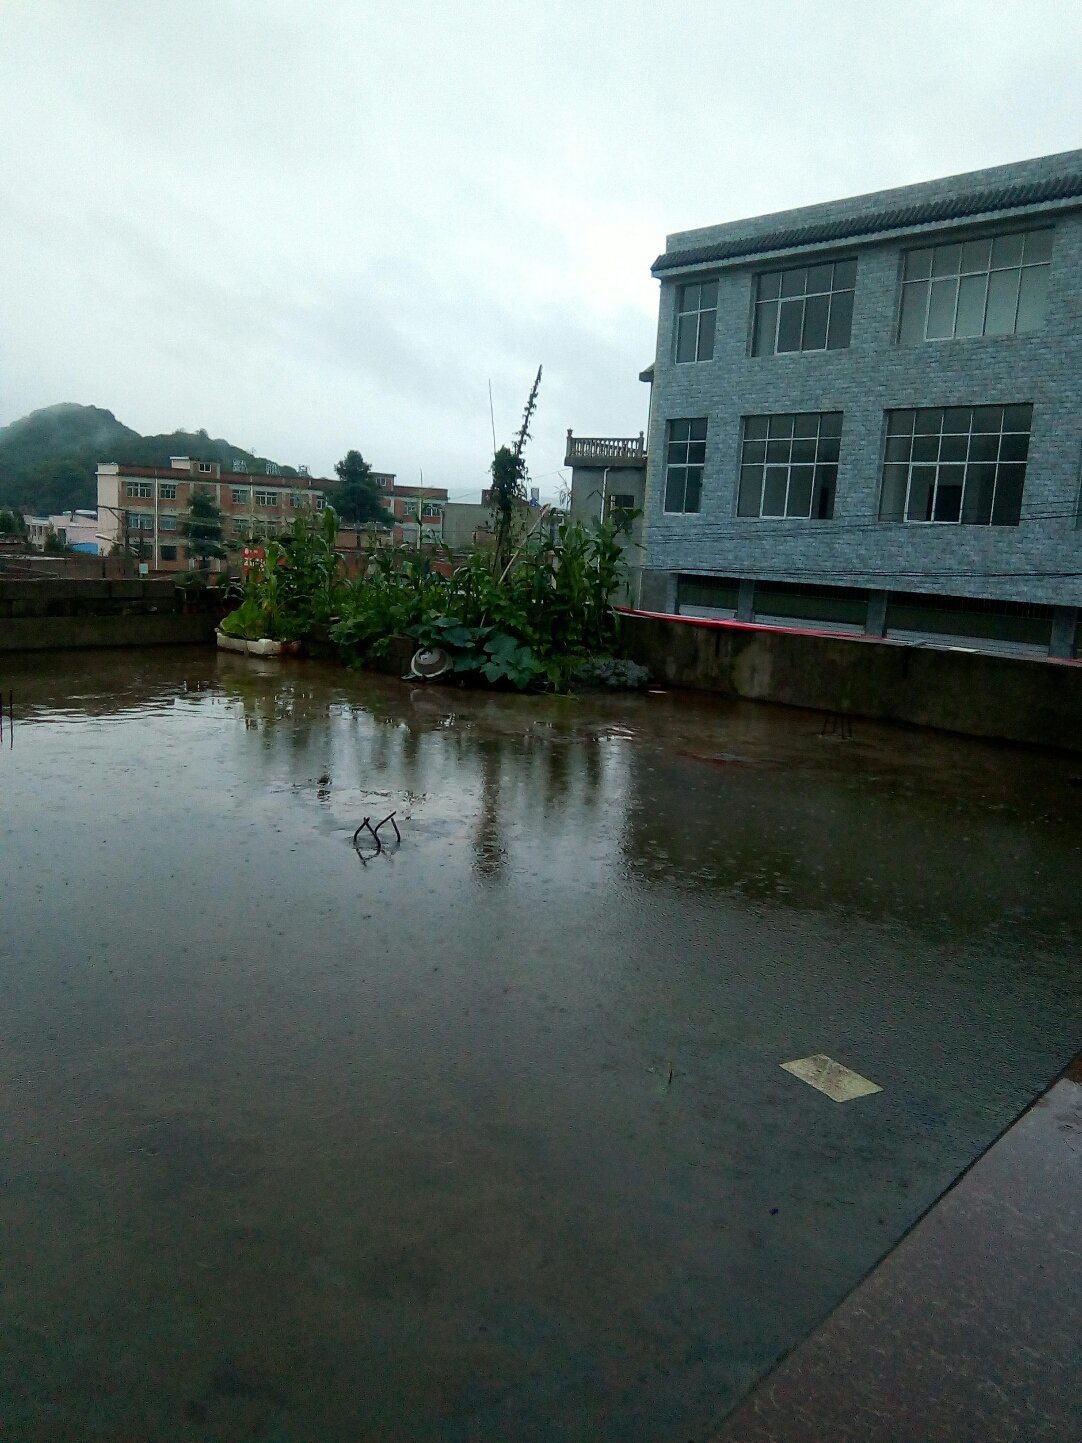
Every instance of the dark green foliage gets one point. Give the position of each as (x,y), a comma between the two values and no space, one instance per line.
(610,673)
(203,528)
(530,626)
(357,499)
(400,591)
(12,524)
(53,544)
(48,459)
(298,586)
(506,495)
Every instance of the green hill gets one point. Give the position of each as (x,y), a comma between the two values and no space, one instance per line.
(48,459)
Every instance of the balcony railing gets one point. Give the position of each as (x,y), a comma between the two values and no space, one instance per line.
(605,450)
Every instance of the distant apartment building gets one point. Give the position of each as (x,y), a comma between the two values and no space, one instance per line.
(76,529)
(415,514)
(866,414)
(143,509)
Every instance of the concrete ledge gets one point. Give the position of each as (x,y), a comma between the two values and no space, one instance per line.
(976,694)
(49,633)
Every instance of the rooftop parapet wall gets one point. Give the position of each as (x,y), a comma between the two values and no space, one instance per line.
(979,695)
(45,614)
(623,451)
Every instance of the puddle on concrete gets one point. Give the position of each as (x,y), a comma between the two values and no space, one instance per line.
(487,1138)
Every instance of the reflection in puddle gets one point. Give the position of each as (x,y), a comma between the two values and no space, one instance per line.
(488,1139)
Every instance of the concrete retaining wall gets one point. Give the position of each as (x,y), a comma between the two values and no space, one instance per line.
(41,615)
(1036,701)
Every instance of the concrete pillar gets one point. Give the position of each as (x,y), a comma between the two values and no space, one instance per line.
(657,590)
(876,623)
(745,601)
(1064,626)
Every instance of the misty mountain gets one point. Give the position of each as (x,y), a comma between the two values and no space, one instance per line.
(48,459)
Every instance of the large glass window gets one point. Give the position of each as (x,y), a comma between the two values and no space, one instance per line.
(167,491)
(266,498)
(696,314)
(239,495)
(789,465)
(962,464)
(139,488)
(806,308)
(991,287)
(685,456)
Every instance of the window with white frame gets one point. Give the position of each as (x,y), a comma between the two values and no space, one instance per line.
(996,286)
(140,521)
(167,522)
(804,308)
(141,489)
(685,456)
(266,498)
(409,507)
(956,464)
(238,495)
(167,491)
(205,466)
(789,465)
(296,500)
(696,316)
(431,510)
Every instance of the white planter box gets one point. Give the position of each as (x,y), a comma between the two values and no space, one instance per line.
(263,647)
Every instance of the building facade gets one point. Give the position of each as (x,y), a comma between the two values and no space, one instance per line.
(75,529)
(866,414)
(414,513)
(142,509)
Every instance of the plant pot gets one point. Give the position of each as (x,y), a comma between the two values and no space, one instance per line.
(264,647)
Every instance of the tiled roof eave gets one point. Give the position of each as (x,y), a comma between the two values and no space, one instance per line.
(865,229)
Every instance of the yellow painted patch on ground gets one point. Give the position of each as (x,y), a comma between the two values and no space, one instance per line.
(837,1081)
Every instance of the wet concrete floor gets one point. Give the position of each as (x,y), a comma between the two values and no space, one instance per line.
(488,1138)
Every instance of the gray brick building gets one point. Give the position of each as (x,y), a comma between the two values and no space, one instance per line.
(866,414)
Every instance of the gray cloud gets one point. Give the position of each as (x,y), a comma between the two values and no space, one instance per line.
(314,227)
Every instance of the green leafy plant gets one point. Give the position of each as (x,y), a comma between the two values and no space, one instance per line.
(531,625)
(297,586)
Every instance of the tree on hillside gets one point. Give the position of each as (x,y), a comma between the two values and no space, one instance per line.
(357,499)
(12,524)
(203,528)
(53,544)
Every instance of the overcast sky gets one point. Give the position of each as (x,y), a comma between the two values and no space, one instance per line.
(321,225)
